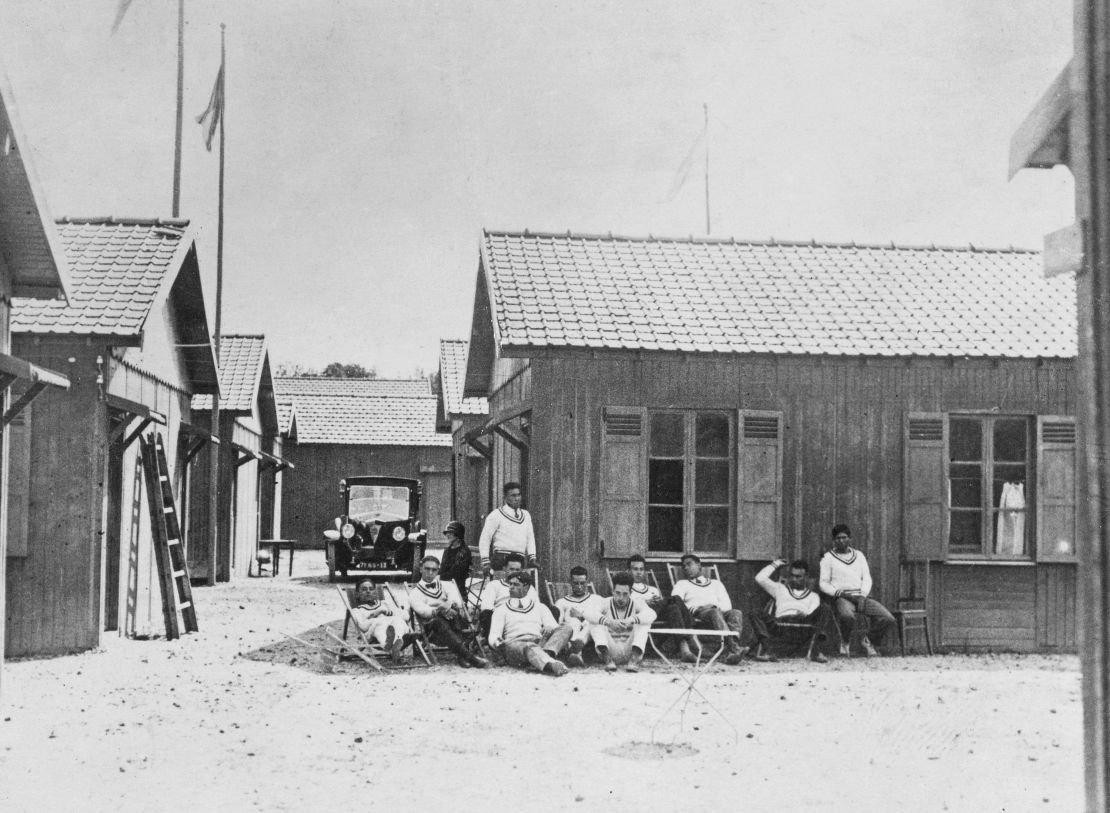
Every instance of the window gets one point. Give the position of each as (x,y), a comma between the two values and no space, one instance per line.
(690,482)
(989,481)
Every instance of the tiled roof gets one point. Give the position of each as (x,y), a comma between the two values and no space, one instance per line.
(726,296)
(452,371)
(241,361)
(362,420)
(117,268)
(321,385)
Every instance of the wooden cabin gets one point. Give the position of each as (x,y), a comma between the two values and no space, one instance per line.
(357,426)
(32,266)
(471,486)
(134,339)
(736,399)
(250,462)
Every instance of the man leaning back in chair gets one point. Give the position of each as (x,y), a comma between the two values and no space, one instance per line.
(440,609)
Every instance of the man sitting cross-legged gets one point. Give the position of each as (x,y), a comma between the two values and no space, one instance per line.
(794,601)
(496,592)
(526,631)
(705,601)
(440,609)
(379,619)
(621,631)
(578,610)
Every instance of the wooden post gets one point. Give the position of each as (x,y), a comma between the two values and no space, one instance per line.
(214,467)
(176,209)
(1089,145)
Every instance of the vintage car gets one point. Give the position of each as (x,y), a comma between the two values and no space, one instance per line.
(377,531)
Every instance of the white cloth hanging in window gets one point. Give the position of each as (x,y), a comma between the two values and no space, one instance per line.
(1009,534)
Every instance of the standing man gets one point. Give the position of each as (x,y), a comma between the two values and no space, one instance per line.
(455,566)
(846,577)
(621,632)
(579,610)
(794,601)
(526,631)
(507,530)
(708,603)
(440,609)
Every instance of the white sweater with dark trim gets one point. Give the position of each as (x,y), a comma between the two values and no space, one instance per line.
(509,531)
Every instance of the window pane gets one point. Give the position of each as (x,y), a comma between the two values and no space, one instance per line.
(711,482)
(667,434)
(1009,533)
(965,439)
(665,529)
(712,431)
(1010,439)
(1009,481)
(966,532)
(967,491)
(665,482)
(711,530)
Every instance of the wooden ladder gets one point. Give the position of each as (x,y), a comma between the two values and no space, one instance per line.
(173,572)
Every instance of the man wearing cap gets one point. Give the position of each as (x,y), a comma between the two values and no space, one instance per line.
(507,530)
(455,566)
(526,632)
(440,609)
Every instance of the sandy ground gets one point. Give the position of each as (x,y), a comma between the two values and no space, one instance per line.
(239,718)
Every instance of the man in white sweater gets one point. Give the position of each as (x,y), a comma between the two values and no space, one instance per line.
(708,604)
(526,631)
(507,530)
(441,610)
(579,610)
(794,601)
(621,627)
(846,577)
(496,592)
(380,618)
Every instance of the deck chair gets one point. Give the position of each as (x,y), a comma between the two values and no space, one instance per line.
(366,648)
(427,647)
(399,595)
(654,582)
(675,574)
(798,633)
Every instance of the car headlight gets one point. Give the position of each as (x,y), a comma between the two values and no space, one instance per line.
(398,534)
(348,530)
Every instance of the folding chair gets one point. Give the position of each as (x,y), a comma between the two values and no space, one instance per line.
(557,590)
(784,629)
(399,594)
(366,649)
(423,643)
(675,574)
(649,574)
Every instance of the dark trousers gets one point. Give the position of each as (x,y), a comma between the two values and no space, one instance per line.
(766,627)
(678,616)
(455,634)
(873,619)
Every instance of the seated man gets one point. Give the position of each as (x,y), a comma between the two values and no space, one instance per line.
(705,602)
(378,619)
(794,601)
(846,577)
(440,609)
(496,592)
(648,594)
(621,631)
(526,632)
(578,610)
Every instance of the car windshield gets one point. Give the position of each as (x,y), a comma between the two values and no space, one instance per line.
(381,503)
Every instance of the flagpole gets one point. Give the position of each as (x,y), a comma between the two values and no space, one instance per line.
(180,107)
(214,459)
(705,107)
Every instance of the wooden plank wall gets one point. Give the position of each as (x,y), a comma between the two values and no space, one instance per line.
(988,607)
(514,387)
(139,588)
(1056,607)
(244,540)
(310,493)
(53,593)
(843,430)
(470,479)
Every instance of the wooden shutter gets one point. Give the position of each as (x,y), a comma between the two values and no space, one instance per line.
(759,485)
(622,509)
(925,487)
(1056,488)
(19,481)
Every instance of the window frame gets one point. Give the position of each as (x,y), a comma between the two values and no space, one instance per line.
(690,505)
(986,509)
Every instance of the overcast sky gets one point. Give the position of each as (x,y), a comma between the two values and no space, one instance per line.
(370,142)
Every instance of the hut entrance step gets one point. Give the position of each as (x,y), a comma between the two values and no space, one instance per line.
(173,571)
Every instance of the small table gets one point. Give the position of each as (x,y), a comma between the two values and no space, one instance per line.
(697,671)
(275,546)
